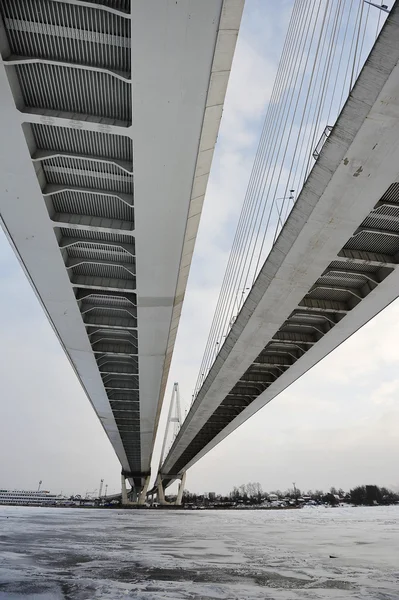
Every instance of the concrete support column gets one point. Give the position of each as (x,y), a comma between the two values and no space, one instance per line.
(125,500)
(143,493)
(161,491)
(181,489)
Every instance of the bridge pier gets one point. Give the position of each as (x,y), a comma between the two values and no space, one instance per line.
(132,497)
(125,499)
(143,493)
(181,489)
(161,491)
(139,482)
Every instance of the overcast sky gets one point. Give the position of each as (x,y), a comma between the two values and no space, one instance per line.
(336,426)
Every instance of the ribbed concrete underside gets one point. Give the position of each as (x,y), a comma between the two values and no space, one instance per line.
(109,116)
(333,267)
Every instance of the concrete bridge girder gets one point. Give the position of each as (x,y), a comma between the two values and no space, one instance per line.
(352,276)
(78,241)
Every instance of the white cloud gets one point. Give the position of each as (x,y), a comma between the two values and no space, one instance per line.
(387,393)
(337,425)
(48,428)
(367,352)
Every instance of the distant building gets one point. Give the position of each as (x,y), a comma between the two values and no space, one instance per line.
(26,497)
(212,496)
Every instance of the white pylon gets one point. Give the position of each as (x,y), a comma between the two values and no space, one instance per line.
(174,416)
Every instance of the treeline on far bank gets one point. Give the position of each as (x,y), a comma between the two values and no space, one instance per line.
(372,494)
(252,494)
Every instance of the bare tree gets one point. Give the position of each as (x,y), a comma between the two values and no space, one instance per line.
(243,490)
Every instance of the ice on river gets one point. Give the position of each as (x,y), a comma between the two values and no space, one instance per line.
(81,554)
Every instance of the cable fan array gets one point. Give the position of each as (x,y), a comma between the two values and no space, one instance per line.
(325,48)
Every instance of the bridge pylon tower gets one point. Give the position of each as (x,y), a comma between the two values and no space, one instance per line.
(174,420)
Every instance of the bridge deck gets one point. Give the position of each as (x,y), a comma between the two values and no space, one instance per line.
(109,116)
(332,268)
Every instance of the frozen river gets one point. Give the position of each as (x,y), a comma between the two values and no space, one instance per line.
(317,553)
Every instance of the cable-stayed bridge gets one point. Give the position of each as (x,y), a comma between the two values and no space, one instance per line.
(109,115)
(323,261)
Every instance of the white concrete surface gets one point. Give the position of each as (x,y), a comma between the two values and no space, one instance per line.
(181,56)
(358,163)
(183,75)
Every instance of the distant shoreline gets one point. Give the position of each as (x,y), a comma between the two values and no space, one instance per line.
(196,509)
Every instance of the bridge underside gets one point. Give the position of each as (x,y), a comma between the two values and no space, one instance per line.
(333,267)
(109,116)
